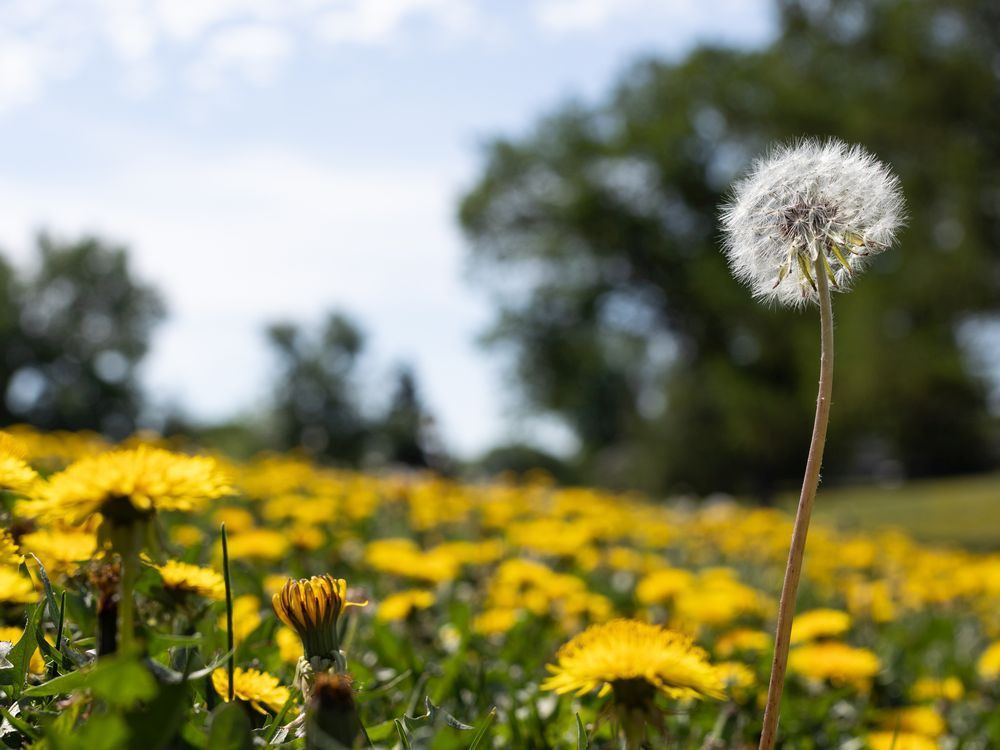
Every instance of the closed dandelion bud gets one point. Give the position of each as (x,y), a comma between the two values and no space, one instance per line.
(311,607)
(331,713)
(808,205)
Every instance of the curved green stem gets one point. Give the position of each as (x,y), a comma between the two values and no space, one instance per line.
(793,570)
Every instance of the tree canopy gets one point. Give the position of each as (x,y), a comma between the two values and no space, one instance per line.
(597,236)
(73,330)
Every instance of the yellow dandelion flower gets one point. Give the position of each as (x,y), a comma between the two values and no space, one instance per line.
(819,623)
(916,719)
(186,535)
(663,585)
(246,616)
(738,678)
(398,606)
(36,665)
(182,578)
(311,607)
(261,690)
(495,621)
(742,640)
(900,741)
(9,554)
(931,689)
(988,665)
(125,486)
(289,645)
(15,474)
(237,519)
(258,544)
(634,660)
(15,588)
(61,551)
(836,662)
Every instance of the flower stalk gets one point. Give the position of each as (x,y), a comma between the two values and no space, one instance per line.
(810,483)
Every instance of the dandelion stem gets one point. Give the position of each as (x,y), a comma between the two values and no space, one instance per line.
(793,570)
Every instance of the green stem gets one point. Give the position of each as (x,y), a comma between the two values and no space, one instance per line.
(126,603)
(793,570)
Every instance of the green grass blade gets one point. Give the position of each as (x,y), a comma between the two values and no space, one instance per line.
(230,638)
(481,734)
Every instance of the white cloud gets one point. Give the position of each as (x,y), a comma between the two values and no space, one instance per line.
(379,21)
(253,51)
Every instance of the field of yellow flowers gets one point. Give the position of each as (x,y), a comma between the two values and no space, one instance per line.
(409,611)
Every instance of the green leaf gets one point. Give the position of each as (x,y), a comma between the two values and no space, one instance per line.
(229,728)
(50,597)
(18,723)
(481,734)
(118,680)
(20,655)
(582,741)
(170,708)
(401,731)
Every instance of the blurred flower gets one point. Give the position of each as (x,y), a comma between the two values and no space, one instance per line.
(260,690)
(183,578)
(988,665)
(819,623)
(9,554)
(311,607)
(15,588)
(125,486)
(900,741)
(930,689)
(742,640)
(61,551)
(634,659)
(246,616)
(289,645)
(916,719)
(15,474)
(663,585)
(495,621)
(738,679)
(835,661)
(805,201)
(258,544)
(398,606)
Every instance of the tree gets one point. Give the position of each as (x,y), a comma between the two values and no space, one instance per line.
(73,333)
(316,399)
(401,432)
(624,319)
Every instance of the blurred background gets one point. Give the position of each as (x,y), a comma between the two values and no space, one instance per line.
(482,237)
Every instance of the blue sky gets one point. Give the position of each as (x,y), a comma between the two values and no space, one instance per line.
(273,159)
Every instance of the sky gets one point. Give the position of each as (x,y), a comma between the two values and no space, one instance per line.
(273,160)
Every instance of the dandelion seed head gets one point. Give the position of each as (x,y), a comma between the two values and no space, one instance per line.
(802,200)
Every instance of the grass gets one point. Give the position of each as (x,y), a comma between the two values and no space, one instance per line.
(963,511)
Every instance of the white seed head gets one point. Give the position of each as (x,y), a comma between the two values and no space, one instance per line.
(806,201)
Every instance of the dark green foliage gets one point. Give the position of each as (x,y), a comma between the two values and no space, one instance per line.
(316,400)
(73,332)
(625,320)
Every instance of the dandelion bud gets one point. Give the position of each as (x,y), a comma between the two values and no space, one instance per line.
(311,607)
(331,713)
(805,205)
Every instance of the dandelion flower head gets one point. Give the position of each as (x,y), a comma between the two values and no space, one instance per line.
(632,657)
(127,484)
(808,201)
(260,689)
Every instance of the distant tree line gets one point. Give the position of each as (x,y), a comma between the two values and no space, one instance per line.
(75,324)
